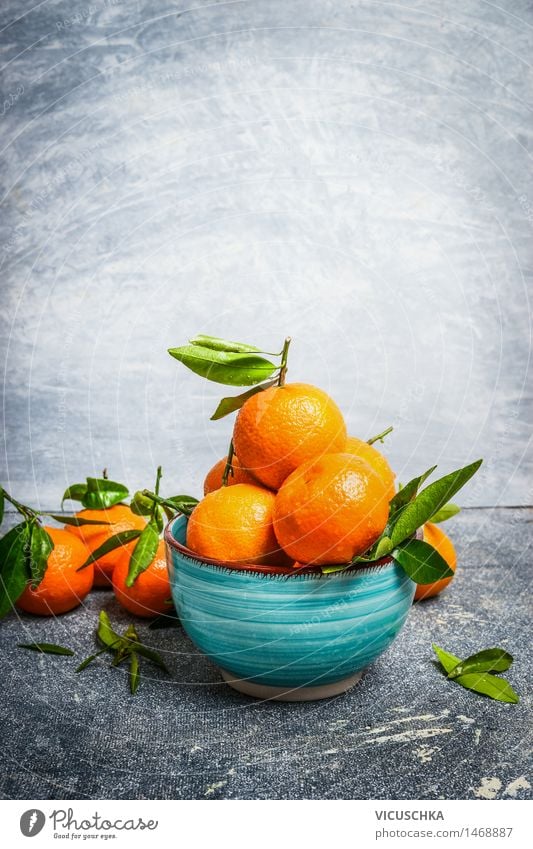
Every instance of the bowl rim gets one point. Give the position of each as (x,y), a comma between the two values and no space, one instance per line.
(309,571)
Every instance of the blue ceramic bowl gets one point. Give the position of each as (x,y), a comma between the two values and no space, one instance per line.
(282,633)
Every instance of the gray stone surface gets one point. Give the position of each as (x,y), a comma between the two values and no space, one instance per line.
(403,732)
(356,174)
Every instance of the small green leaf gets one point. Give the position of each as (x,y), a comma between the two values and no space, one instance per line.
(407,493)
(2,505)
(90,659)
(230,369)
(489,685)
(102,493)
(235,402)
(488,660)
(447,660)
(445,513)
(141,504)
(41,546)
(384,548)
(76,521)
(74,492)
(181,503)
(14,551)
(46,648)
(429,501)
(143,553)
(216,344)
(105,632)
(150,654)
(421,562)
(116,541)
(134,673)
(330,570)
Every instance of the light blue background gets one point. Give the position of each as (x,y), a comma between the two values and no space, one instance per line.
(357,175)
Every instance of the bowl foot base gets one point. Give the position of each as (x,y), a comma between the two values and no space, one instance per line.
(290,694)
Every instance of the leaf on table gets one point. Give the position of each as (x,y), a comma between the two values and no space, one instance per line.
(489,685)
(46,648)
(134,673)
(488,660)
(448,661)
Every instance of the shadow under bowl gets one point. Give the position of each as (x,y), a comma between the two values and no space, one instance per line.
(282,633)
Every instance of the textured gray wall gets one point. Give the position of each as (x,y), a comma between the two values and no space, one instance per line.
(355,174)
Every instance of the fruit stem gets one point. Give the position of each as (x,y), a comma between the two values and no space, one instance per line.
(284,356)
(380,436)
(27,512)
(159,475)
(228,469)
(104,474)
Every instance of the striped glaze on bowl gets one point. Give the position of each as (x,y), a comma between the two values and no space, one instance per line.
(277,632)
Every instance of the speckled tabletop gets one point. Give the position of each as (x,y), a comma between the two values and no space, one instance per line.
(354,173)
(403,732)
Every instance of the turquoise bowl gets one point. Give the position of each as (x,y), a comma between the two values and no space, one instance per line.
(282,633)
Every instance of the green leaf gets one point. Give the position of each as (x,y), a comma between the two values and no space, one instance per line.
(429,501)
(489,685)
(76,521)
(181,503)
(2,505)
(384,547)
(102,493)
(134,673)
(46,648)
(407,493)
(421,562)
(116,541)
(141,504)
(14,548)
(150,654)
(90,659)
(223,367)
(488,660)
(216,344)
(143,553)
(41,546)
(445,513)
(235,402)
(447,660)
(105,632)
(74,492)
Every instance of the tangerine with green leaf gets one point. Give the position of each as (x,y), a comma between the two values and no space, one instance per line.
(330,509)
(375,459)
(120,518)
(62,588)
(149,595)
(436,537)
